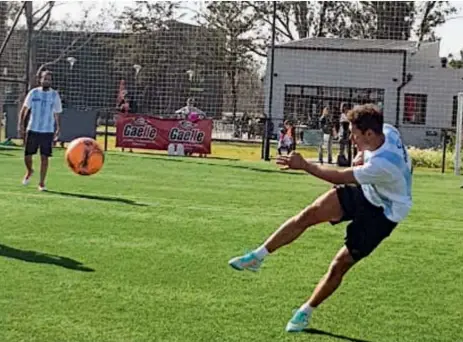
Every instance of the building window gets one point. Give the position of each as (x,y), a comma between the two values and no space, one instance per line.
(293,90)
(305,103)
(415,109)
(455,111)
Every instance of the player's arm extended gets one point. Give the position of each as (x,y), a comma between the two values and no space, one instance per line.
(25,110)
(58,123)
(22,116)
(57,110)
(334,176)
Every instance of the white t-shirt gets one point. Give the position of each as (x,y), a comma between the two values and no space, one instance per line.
(385,176)
(43,106)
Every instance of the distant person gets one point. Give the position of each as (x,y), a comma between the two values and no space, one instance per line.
(127,106)
(327,129)
(190,107)
(285,142)
(343,135)
(291,132)
(192,113)
(42,106)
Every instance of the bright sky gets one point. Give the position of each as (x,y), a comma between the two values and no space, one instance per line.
(450,32)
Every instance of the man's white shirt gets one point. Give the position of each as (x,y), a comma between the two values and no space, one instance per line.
(43,105)
(385,176)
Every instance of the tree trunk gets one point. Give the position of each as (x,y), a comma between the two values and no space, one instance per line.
(234,93)
(322,19)
(302,22)
(31,46)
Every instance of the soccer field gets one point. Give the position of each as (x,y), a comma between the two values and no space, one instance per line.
(139,252)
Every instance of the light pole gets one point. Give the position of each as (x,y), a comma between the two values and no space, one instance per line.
(268,122)
(137,68)
(190,74)
(71,60)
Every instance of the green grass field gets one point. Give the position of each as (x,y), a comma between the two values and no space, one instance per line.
(139,253)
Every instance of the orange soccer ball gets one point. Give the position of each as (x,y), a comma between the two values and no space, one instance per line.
(84,156)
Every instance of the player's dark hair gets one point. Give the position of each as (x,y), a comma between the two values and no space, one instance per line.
(344,106)
(366,117)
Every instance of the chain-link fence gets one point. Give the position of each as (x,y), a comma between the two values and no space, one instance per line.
(244,64)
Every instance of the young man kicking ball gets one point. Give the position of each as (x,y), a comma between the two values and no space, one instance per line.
(44,105)
(374,195)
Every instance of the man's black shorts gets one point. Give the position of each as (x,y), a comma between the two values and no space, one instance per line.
(36,140)
(368,227)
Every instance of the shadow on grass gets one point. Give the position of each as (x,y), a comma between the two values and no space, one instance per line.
(43,258)
(340,337)
(98,198)
(187,160)
(6,151)
(165,155)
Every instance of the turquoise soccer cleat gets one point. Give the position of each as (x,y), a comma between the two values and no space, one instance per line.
(248,262)
(299,322)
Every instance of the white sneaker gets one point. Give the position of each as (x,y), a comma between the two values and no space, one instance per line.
(26,179)
(42,188)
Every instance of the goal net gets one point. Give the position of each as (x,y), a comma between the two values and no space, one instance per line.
(165,58)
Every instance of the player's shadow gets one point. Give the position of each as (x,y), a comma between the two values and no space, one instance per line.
(99,198)
(43,258)
(339,337)
(6,152)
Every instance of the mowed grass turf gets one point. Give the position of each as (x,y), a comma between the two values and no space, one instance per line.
(139,252)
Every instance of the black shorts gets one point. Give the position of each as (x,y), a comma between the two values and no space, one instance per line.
(36,140)
(368,227)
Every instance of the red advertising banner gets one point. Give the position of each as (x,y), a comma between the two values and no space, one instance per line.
(147,132)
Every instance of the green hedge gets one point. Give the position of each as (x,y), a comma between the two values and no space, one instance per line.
(431,158)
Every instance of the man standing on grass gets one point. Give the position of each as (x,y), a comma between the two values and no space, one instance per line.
(374,195)
(43,105)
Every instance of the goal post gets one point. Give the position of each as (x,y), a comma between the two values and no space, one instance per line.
(459,134)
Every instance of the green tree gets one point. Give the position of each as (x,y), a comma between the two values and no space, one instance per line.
(303,19)
(174,57)
(402,20)
(431,14)
(456,63)
(399,20)
(146,16)
(235,23)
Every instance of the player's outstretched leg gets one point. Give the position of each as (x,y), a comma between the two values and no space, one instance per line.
(342,262)
(326,208)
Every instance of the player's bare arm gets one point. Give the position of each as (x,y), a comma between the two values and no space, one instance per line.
(58,125)
(295,161)
(22,117)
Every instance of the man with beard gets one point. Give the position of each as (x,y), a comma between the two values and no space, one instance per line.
(43,105)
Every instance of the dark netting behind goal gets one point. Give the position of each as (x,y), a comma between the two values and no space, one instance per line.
(327,58)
